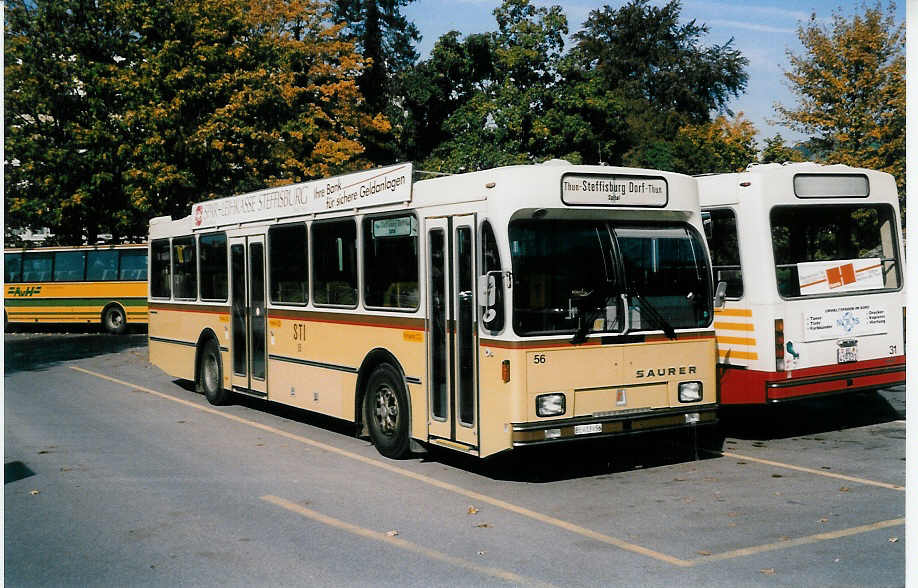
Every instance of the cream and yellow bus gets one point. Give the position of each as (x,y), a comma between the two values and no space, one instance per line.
(105,284)
(812,259)
(478,312)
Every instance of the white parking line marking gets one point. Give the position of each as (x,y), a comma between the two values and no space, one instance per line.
(824,473)
(402,543)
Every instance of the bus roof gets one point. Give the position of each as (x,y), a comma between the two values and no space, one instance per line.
(795,182)
(509,187)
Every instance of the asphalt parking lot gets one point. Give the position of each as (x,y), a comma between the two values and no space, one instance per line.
(810,493)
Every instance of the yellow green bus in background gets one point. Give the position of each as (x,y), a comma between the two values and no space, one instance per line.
(104,284)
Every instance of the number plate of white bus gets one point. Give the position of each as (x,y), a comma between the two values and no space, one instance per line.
(847,353)
(587,429)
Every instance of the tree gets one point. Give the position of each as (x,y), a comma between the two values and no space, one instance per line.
(65,164)
(776,151)
(511,116)
(719,146)
(240,96)
(654,72)
(384,36)
(849,85)
(117,111)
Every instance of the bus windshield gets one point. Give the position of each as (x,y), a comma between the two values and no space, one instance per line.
(831,250)
(571,276)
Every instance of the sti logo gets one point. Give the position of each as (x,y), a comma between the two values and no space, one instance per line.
(198,215)
(23,292)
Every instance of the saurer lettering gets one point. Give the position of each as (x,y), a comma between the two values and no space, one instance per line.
(681,370)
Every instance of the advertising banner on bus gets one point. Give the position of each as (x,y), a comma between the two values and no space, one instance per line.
(375,187)
(825,277)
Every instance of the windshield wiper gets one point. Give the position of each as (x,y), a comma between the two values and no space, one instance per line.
(653,314)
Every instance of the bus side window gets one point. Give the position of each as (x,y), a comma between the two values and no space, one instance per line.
(725,255)
(69,266)
(288,262)
(334,259)
(390,262)
(214,280)
(12,267)
(133,265)
(160,272)
(184,269)
(102,266)
(490,262)
(36,267)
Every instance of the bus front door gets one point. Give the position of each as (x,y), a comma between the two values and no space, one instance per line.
(249,315)
(452,337)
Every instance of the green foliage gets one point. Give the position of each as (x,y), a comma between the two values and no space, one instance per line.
(120,110)
(849,84)
(499,93)
(658,75)
(776,151)
(63,140)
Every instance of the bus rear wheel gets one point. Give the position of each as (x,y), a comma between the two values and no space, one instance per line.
(210,374)
(386,410)
(113,320)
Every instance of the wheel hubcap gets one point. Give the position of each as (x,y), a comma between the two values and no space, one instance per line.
(386,410)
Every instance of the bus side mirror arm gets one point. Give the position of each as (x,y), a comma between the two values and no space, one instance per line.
(720,294)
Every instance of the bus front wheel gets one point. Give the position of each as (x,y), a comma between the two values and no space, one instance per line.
(210,374)
(386,409)
(113,320)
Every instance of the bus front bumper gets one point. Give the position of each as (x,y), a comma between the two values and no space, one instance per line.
(538,433)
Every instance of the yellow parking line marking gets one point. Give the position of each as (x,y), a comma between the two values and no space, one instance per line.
(402,543)
(483,498)
(815,471)
(809,539)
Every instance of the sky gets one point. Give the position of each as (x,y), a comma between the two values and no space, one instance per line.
(763,30)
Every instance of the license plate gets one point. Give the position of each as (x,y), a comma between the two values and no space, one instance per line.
(692,417)
(847,354)
(587,429)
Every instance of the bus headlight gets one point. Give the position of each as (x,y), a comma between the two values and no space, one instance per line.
(550,404)
(690,391)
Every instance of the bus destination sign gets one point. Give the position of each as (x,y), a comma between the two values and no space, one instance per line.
(608,190)
(374,187)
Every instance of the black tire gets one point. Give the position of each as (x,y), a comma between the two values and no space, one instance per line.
(210,374)
(386,410)
(113,320)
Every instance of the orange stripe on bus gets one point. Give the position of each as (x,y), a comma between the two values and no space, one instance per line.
(812,283)
(735,326)
(734,354)
(864,269)
(733,312)
(736,340)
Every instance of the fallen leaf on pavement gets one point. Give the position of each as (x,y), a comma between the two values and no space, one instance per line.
(893,539)
(392,533)
(768,571)
(472,510)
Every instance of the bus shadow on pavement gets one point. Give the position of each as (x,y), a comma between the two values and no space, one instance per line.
(588,458)
(548,463)
(811,416)
(34,351)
